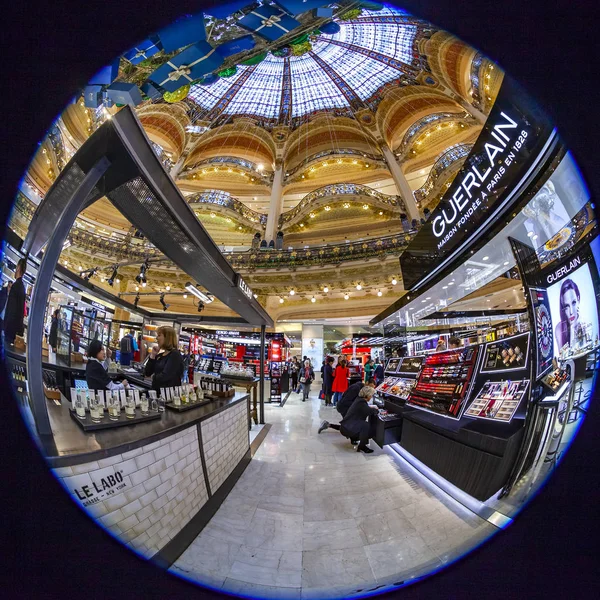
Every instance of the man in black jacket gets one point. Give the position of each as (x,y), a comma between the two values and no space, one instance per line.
(328,380)
(354,425)
(350,395)
(15,305)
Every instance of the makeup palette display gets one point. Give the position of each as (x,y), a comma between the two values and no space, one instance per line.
(396,386)
(498,400)
(444,381)
(392,365)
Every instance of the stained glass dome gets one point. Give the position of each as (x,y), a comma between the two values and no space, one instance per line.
(343,71)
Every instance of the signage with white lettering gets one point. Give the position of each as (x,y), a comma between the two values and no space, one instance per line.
(564,270)
(242,285)
(89,489)
(513,141)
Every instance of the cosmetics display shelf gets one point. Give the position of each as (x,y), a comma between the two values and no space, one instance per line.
(444,381)
(498,400)
(398,387)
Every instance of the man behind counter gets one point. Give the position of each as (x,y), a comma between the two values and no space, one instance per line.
(15,305)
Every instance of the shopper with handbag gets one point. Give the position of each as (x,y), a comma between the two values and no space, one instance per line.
(307,376)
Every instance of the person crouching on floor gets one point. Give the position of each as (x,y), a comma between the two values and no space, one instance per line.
(350,395)
(354,425)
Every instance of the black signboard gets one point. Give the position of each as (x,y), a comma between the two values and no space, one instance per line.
(513,143)
(509,354)
(411,365)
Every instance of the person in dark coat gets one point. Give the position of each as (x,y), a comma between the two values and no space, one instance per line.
(328,379)
(350,395)
(294,368)
(15,305)
(378,372)
(165,362)
(354,425)
(95,372)
(53,337)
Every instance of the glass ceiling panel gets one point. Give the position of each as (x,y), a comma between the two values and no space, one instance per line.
(352,66)
(261,94)
(312,89)
(207,96)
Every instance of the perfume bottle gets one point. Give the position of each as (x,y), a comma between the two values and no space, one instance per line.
(130,409)
(177,401)
(95,411)
(154,405)
(144,404)
(114,409)
(80,408)
(100,405)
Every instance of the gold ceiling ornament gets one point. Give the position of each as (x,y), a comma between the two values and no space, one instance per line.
(176,96)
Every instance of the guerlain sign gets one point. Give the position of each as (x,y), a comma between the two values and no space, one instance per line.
(511,148)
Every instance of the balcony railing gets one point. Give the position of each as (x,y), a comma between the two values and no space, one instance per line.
(450,157)
(339,192)
(321,255)
(225,200)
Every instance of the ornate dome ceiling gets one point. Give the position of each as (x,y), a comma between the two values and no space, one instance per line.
(343,71)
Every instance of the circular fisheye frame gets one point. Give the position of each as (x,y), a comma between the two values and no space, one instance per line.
(212,365)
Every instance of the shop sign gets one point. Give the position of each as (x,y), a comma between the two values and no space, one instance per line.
(564,270)
(220,332)
(90,489)
(97,305)
(242,285)
(512,144)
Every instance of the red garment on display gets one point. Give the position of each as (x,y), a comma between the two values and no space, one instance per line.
(340,379)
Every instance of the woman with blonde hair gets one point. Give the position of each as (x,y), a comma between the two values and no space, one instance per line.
(165,362)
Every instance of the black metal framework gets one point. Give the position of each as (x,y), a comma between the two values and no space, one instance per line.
(118,162)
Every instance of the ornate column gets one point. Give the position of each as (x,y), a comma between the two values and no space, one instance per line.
(401,183)
(276,204)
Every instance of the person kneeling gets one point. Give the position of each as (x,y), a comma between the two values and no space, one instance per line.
(354,425)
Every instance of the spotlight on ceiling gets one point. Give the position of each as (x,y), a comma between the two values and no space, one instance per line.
(200,306)
(379,293)
(313,299)
(184,296)
(359,287)
(168,288)
(292,292)
(346,296)
(280,300)
(200,295)
(394,281)
(89,274)
(113,277)
(162,301)
(325,289)
(141,278)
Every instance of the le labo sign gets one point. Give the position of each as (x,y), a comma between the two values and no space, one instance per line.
(510,146)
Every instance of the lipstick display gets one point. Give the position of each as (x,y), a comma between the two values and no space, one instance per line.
(443,382)
(498,400)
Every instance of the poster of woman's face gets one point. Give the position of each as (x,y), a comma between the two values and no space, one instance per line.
(573,308)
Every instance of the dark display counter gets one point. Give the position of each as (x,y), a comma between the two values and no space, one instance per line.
(475,456)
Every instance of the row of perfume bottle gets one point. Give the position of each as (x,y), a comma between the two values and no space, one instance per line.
(211,384)
(237,370)
(115,401)
(183,394)
(18,374)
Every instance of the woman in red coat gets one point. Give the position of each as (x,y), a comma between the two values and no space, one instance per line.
(340,381)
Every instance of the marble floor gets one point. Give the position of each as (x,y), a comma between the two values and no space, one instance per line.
(312,518)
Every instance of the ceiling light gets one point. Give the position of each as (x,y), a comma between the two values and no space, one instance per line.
(451,283)
(445,287)
(359,287)
(213,215)
(367,166)
(240,227)
(328,208)
(292,292)
(423,301)
(184,296)
(141,278)
(196,292)
(260,167)
(380,212)
(255,295)
(379,293)
(168,288)
(280,300)
(394,281)
(530,234)
(535,237)
(486,258)
(365,207)
(117,280)
(143,284)
(346,296)
(325,289)
(301,224)
(313,299)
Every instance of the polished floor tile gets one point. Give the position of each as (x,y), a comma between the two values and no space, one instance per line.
(312,518)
